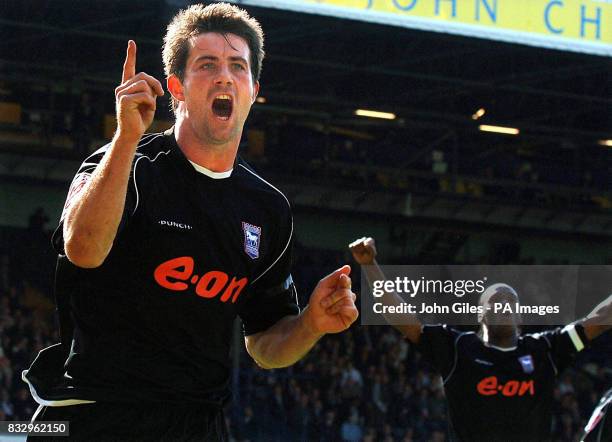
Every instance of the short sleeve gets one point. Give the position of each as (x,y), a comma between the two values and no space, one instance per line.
(273,294)
(438,346)
(564,344)
(77,185)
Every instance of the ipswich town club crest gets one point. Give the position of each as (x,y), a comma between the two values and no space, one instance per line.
(527,363)
(252,237)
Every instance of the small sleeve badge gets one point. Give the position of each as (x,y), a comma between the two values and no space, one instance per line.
(252,237)
(527,363)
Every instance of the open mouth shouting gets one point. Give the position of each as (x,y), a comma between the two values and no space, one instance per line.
(222,106)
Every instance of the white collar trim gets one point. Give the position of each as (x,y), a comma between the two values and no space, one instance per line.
(500,348)
(209,173)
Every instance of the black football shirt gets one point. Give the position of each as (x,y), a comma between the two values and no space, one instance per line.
(497,394)
(193,251)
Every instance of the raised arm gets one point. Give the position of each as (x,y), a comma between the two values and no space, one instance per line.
(364,252)
(93,214)
(599,320)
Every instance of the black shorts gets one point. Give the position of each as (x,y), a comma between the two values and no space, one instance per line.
(111,421)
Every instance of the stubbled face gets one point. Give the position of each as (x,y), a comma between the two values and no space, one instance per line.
(502,323)
(217,87)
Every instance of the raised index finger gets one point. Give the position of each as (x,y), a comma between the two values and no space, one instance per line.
(129,66)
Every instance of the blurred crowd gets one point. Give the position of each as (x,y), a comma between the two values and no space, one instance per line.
(366,384)
(26,327)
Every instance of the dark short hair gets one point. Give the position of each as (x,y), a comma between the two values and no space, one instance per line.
(221,18)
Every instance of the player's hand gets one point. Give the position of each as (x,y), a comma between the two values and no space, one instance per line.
(332,304)
(363,250)
(135,99)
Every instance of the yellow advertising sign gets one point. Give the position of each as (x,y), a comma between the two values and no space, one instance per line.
(575,25)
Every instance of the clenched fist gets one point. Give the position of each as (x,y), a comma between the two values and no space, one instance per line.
(332,304)
(364,250)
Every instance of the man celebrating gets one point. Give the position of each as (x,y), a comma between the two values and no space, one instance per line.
(499,383)
(164,240)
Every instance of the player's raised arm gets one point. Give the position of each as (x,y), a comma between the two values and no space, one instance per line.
(364,252)
(599,320)
(93,213)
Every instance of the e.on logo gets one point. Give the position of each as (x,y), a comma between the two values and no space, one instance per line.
(177,273)
(490,387)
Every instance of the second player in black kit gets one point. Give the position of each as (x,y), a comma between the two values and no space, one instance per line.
(498,382)
(497,393)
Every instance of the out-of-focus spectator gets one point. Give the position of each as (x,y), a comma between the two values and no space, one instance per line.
(248,428)
(6,405)
(329,430)
(299,419)
(24,407)
(351,430)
